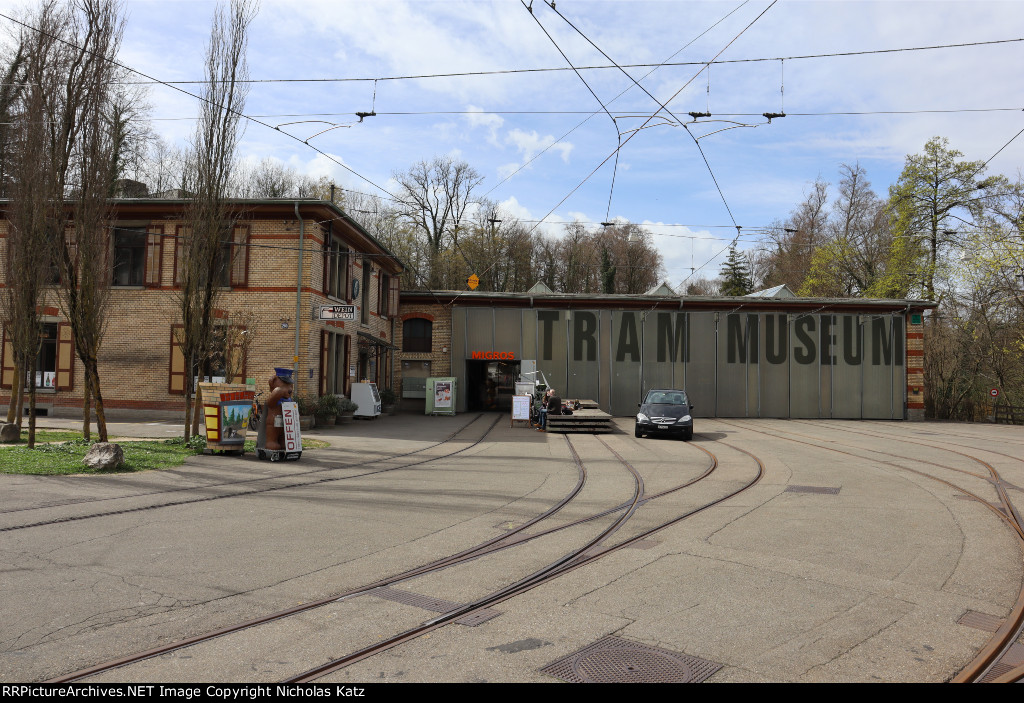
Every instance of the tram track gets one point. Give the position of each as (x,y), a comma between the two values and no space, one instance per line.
(589,553)
(258,491)
(308,460)
(513,538)
(1009,632)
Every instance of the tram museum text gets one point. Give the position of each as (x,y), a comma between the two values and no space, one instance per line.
(828,339)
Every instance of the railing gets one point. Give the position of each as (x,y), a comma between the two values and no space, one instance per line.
(1010,414)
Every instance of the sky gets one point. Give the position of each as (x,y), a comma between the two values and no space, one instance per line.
(546,140)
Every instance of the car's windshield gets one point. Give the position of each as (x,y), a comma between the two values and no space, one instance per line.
(666,398)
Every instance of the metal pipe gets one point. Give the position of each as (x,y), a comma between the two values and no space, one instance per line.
(298,295)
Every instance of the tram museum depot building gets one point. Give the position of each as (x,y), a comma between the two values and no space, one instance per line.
(284,260)
(767,355)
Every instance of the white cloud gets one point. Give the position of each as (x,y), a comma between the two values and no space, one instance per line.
(492,122)
(529,144)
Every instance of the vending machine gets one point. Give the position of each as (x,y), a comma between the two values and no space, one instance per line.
(365,396)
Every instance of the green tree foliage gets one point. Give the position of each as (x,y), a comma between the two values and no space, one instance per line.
(937,196)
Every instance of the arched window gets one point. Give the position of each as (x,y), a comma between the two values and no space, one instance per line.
(417,335)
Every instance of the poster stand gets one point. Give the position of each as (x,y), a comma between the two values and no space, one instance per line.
(442,395)
(521,409)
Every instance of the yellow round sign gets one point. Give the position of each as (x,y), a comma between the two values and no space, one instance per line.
(473,281)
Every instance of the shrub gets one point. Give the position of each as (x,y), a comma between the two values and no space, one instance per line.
(307,404)
(388,397)
(327,404)
(345,405)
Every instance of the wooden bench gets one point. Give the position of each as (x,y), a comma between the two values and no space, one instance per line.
(589,419)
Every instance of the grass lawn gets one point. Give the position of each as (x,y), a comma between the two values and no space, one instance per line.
(63,455)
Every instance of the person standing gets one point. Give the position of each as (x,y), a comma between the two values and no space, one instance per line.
(552,406)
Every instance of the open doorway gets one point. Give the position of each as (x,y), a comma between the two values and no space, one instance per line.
(490,385)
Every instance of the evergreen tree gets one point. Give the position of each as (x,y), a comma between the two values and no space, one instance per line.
(607,272)
(735,274)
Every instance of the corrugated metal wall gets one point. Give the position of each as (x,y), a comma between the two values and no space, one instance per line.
(738,364)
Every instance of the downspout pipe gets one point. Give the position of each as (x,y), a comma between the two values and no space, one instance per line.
(298,295)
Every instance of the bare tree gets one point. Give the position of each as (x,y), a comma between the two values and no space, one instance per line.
(11,91)
(97,127)
(790,248)
(69,132)
(434,198)
(638,264)
(208,178)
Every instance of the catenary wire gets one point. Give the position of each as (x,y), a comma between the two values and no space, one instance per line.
(615,124)
(460,74)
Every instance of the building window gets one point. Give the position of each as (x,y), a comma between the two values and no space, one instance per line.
(336,265)
(223,263)
(365,292)
(129,256)
(417,335)
(46,362)
(383,291)
(334,363)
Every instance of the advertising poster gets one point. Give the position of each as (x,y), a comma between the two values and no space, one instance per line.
(443,394)
(521,407)
(234,417)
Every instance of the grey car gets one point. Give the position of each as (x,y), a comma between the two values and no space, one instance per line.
(665,411)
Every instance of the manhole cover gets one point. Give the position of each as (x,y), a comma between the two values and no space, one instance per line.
(615,660)
(631,666)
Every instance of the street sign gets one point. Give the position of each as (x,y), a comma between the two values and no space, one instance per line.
(994,392)
(473,281)
(338,312)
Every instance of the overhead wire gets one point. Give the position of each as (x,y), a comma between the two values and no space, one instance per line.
(203,99)
(623,92)
(512,71)
(661,107)
(615,124)
(681,89)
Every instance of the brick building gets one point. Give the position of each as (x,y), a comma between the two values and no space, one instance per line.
(765,355)
(140,365)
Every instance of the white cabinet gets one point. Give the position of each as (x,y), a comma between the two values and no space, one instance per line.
(365,395)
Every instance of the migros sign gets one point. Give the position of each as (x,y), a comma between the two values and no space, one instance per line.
(493,355)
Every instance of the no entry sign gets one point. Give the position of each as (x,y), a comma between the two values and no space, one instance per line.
(994,392)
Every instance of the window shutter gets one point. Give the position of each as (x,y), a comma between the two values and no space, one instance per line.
(240,256)
(65,358)
(176,366)
(394,283)
(7,362)
(326,287)
(346,383)
(179,251)
(351,275)
(154,255)
(324,351)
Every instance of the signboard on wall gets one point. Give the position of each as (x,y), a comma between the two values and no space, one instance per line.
(345,313)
